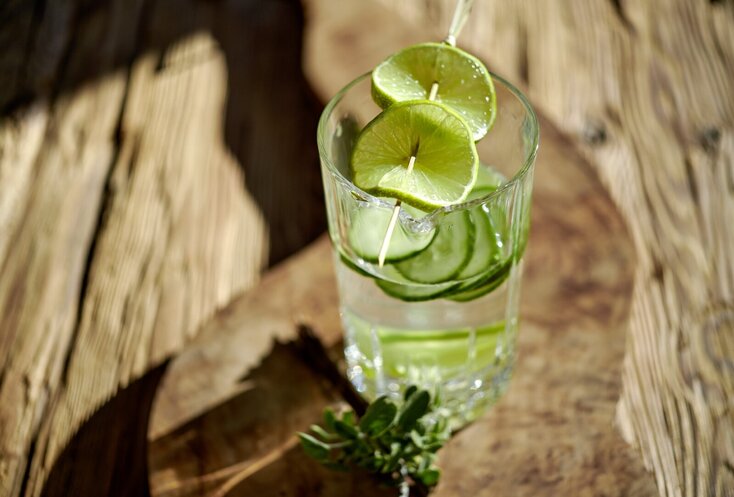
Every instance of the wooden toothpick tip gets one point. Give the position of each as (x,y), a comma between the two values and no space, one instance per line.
(396,209)
(434,91)
(388,234)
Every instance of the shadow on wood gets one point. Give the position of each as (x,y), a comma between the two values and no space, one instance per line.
(552,434)
(172,151)
(108,455)
(247,446)
(270,115)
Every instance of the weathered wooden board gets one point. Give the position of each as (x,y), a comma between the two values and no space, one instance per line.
(647,90)
(606,72)
(141,187)
(56,195)
(222,425)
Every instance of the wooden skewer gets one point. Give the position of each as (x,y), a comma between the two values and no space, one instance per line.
(396,209)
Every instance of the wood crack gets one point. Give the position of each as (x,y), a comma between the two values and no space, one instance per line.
(618,9)
(691,178)
(523,64)
(100,223)
(107,196)
(28,466)
(25,98)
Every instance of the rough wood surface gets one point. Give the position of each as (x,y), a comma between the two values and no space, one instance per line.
(224,416)
(646,89)
(141,185)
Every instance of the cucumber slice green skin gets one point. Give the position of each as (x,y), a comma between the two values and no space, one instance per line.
(345,260)
(479,267)
(446,256)
(457,292)
(367,232)
(484,250)
(414,293)
(482,286)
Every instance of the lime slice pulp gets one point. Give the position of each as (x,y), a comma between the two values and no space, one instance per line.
(464,84)
(446,161)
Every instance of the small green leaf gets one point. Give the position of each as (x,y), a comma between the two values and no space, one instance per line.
(423,464)
(329,418)
(325,435)
(395,454)
(440,428)
(430,476)
(433,445)
(417,439)
(314,447)
(415,408)
(393,443)
(348,418)
(379,417)
(345,429)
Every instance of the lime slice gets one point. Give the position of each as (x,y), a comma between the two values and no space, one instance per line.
(487,178)
(446,162)
(463,82)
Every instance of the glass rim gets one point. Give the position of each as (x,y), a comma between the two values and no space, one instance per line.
(510,183)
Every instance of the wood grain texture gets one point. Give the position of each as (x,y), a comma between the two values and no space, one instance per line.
(140,189)
(646,90)
(225,413)
(59,189)
(172,246)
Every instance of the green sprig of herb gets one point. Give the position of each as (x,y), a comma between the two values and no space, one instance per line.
(397,444)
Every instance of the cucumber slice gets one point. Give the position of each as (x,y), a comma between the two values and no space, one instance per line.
(485,252)
(415,293)
(446,256)
(483,286)
(367,230)
(345,260)
(479,192)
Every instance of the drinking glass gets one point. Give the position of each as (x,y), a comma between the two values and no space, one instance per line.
(454,335)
